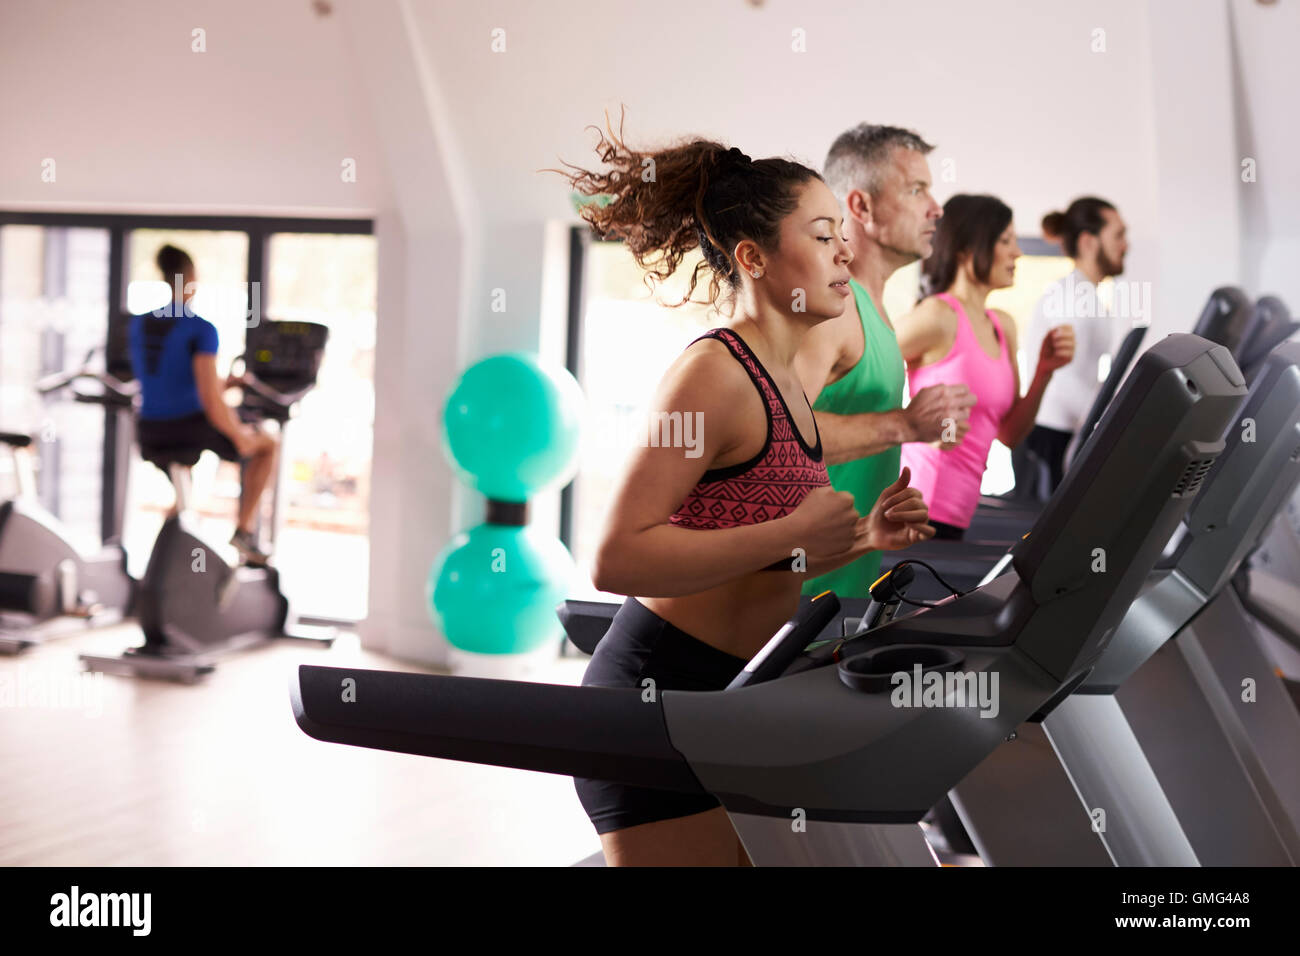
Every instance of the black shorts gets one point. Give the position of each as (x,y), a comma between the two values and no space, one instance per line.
(640,644)
(946,532)
(1047,447)
(191,432)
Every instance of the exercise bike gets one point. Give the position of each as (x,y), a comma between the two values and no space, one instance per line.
(193,605)
(48,587)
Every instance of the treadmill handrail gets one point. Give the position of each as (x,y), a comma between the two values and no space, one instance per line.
(1119,366)
(283,400)
(604,732)
(126,391)
(1262,345)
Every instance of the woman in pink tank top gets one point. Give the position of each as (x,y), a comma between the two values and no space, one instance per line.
(950,338)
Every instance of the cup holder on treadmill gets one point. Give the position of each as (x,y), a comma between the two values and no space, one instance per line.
(874,670)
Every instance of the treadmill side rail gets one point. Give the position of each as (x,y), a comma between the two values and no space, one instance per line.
(610,733)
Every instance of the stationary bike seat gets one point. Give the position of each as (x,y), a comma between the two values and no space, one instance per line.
(164,458)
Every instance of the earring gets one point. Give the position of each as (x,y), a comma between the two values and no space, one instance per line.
(756,274)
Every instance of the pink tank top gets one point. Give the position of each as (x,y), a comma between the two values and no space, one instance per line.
(950,480)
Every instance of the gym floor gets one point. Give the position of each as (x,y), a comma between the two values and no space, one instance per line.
(220,775)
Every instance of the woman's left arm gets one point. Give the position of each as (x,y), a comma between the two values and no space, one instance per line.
(1057,351)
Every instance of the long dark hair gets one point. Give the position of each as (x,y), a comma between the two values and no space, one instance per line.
(172,261)
(1082,215)
(665,202)
(970,225)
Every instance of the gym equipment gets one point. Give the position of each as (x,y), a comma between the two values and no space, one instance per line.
(851,769)
(1267,587)
(1266,584)
(1224,319)
(47,586)
(585,622)
(511,429)
(1180,766)
(192,604)
(1028,505)
(511,426)
(786,644)
(518,571)
(1228,318)
(1271,325)
(998,523)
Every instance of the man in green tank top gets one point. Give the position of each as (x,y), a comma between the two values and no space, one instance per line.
(850,366)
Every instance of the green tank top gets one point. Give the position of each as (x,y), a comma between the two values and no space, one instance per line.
(875,384)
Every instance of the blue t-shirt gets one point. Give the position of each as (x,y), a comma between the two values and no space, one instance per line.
(162,357)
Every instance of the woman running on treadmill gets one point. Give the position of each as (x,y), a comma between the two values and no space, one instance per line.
(952,338)
(716,539)
(174,357)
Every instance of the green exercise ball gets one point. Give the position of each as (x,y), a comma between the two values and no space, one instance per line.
(493,589)
(511,426)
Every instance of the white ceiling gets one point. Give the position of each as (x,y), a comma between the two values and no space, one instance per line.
(1010,90)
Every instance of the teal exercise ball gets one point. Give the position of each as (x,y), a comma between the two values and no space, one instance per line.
(511,426)
(493,589)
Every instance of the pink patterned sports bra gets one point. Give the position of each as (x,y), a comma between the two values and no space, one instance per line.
(772,483)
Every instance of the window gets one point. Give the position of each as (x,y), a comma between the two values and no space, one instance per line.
(628,340)
(221,262)
(331,280)
(53,311)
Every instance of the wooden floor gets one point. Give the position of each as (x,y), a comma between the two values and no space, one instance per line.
(133,772)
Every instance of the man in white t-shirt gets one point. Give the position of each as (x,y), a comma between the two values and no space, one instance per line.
(1092,234)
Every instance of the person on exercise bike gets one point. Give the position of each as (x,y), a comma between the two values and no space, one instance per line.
(174,357)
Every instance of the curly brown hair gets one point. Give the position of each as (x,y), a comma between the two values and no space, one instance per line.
(667,201)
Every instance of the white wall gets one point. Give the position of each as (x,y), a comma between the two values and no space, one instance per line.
(1197,230)
(1266,41)
(135,120)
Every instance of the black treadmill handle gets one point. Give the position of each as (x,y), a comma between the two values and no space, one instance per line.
(284,400)
(111,385)
(605,733)
(788,643)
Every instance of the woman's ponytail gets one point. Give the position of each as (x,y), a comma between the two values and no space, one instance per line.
(699,193)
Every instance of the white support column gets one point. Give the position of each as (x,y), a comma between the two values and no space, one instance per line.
(424,232)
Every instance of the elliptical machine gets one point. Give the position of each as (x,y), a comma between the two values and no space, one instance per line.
(48,587)
(194,605)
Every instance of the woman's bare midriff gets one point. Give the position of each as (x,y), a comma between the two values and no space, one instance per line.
(737,617)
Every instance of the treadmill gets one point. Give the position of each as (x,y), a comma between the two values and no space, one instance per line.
(818,762)
(1000,522)
(1223,319)
(1268,584)
(1271,324)
(1227,318)
(1172,766)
